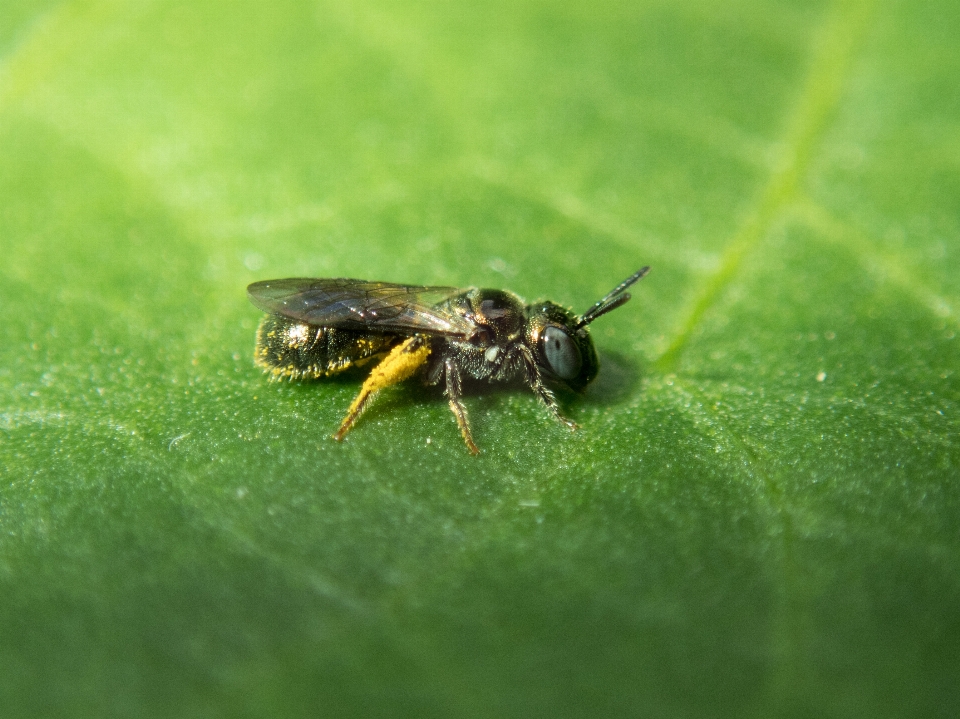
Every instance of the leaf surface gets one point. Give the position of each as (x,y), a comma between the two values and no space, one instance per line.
(759,516)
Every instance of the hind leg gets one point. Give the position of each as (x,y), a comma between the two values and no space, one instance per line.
(403,362)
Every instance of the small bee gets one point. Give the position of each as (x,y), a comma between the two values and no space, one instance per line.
(319,327)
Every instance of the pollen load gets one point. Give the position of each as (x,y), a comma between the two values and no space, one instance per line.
(297,350)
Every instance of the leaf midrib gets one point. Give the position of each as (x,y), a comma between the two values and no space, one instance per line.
(840,37)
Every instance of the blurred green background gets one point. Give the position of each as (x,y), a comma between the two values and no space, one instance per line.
(760,515)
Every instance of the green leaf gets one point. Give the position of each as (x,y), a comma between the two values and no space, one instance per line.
(759,516)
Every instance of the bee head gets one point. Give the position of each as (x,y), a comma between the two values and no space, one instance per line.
(561,341)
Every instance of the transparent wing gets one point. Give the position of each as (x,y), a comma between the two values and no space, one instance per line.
(361,305)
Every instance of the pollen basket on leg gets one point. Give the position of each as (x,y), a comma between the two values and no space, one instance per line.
(296,350)
(403,362)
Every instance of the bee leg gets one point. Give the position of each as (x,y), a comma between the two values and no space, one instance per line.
(535,382)
(457,406)
(402,362)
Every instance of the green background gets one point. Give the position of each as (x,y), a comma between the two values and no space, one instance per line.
(760,515)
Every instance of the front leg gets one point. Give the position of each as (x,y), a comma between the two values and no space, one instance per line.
(535,382)
(456,403)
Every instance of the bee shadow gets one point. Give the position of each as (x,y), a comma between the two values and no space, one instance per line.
(618,378)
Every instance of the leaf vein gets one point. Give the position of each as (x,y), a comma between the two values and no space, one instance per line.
(885,265)
(834,52)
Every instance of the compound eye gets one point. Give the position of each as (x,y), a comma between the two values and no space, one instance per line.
(562,353)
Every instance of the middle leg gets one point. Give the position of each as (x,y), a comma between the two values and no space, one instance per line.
(456,404)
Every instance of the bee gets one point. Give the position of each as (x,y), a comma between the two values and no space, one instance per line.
(318,327)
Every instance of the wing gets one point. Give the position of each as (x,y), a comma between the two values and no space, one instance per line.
(361,305)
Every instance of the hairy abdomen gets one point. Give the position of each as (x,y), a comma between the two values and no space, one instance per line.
(288,348)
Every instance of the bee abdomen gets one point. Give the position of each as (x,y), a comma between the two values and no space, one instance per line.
(297,350)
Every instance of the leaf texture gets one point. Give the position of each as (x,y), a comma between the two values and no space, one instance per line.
(759,516)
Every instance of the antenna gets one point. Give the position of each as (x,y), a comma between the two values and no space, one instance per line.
(616,297)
